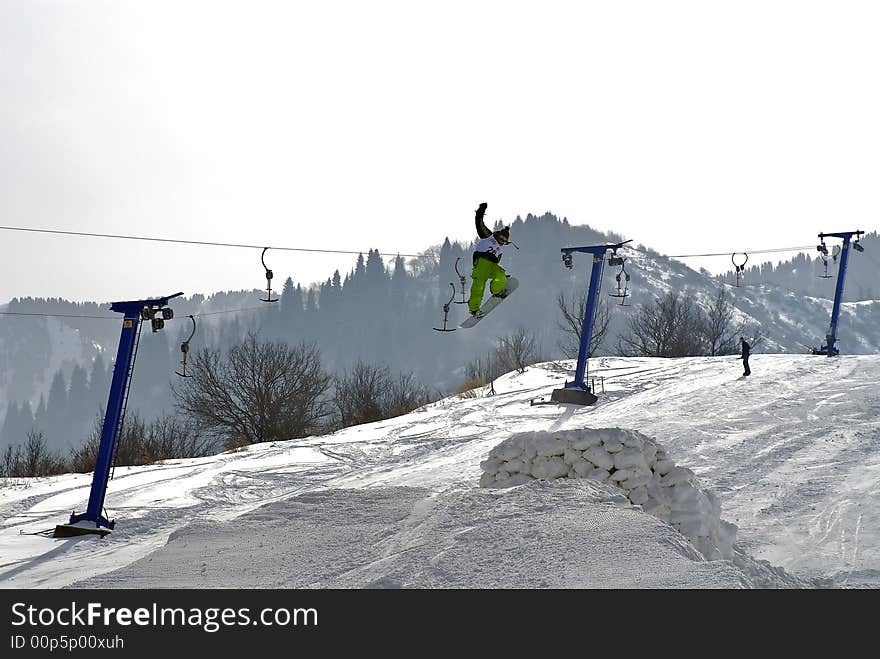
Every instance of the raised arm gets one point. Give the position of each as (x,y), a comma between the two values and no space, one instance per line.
(482,229)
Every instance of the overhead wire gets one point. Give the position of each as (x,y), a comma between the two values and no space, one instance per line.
(84,316)
(56,315)
(194,242)
(214,313)
(741,251)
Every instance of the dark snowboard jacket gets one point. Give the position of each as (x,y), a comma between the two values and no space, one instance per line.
(483,232)
(746,350)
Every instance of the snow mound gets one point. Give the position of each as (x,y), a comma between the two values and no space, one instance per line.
(627,459)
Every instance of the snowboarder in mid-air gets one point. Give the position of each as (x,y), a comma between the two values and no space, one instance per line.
(487,255)
(746,350)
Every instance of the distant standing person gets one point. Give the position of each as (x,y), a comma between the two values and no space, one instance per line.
(745,356)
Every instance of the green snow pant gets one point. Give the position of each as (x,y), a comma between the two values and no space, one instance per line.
(485,270)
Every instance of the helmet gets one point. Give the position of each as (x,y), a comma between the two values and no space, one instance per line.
(503,234)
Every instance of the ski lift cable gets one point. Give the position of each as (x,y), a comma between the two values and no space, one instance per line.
(194,242)
(68,315)
(744,251)
(55,315)
(215,313)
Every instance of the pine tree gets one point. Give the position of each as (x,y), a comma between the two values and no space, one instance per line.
(9,435)
(80,410)
(291,301)
(99,384)
(57,427)
(25,421)
(445,266)
(40,414)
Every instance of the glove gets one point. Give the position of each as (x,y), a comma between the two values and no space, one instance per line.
(482,208)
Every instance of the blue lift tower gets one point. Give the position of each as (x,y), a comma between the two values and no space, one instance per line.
(578,391)
(830,349)
(156,311)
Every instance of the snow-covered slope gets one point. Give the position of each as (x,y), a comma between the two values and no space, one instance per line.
(791,453)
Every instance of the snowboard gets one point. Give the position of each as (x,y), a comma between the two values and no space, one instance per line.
(490,304)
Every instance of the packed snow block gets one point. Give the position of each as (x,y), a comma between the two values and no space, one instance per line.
(570,456)
(513,480)
(550,446)
(583,468)
(644,472)
(638,495)
(631,440)
(663,466)
(599,457)
(511,447)
(548,468)
(689,497)
(506,452)
(584,442)
(490,464)
(658,492)
(638,479)
(630,458)
(677,475)
(612,443)
(657,509)
(649,451)
(689,500)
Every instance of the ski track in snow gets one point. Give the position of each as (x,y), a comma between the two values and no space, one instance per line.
(793,452)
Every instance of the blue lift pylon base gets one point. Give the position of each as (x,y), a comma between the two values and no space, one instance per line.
(92,521)
(830,349)
(573,395)
(578,391)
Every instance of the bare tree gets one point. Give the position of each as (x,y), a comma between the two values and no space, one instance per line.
(140,443)
(32,459)
(10,463)
(261,391)
(572,324)
(480,372)
(517,350)
(426,262)
(405,394)
(358,395)
(170,437)
(720,334)
(370,393)
(670,327)
(35,453)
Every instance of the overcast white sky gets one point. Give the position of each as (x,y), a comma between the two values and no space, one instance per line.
(687,126)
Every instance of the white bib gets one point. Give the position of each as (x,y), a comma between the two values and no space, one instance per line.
(489,245)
